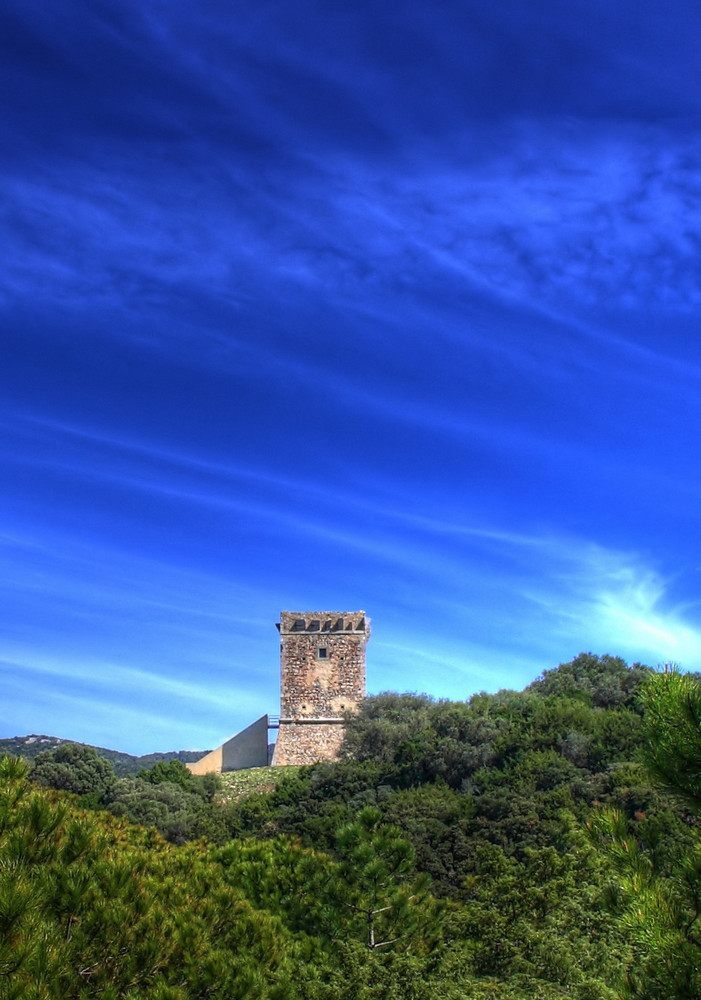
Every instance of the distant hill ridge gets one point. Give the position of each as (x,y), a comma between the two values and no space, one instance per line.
(124,763)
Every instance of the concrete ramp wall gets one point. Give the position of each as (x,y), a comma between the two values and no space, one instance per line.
(249,748)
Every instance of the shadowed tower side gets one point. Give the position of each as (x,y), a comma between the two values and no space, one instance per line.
(322,675)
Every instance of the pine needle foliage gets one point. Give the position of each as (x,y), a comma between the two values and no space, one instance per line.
(93,907)
(655,873)
(442,859)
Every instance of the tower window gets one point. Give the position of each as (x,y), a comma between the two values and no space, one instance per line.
(323,653)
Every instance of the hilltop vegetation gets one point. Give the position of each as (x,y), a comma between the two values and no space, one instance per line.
(516,770)
(512,846)
(31,746)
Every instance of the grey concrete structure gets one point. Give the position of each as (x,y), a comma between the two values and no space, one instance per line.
(249,748)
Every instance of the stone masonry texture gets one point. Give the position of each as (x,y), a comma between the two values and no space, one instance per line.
(322,676)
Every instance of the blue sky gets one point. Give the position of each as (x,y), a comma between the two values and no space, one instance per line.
(388,306)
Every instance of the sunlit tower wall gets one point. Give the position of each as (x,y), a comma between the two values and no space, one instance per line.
(322,675)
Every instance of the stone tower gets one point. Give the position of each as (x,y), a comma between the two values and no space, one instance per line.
(322,675)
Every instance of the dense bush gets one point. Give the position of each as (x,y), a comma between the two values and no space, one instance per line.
(73,767)
(515,769)
(444,857)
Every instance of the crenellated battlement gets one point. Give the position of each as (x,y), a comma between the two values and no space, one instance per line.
(294,622)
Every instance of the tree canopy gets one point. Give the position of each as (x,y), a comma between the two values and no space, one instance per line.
(533,844)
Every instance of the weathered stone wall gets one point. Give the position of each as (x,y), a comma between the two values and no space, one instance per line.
(322,675)
(307,743)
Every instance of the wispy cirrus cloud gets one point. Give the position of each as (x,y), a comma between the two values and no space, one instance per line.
(597,214)
(621,600)
(344,306)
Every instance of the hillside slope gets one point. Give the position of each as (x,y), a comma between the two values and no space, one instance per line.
(124,763)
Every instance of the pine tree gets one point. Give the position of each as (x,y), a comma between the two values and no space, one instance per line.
(375,885)
(657,883)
